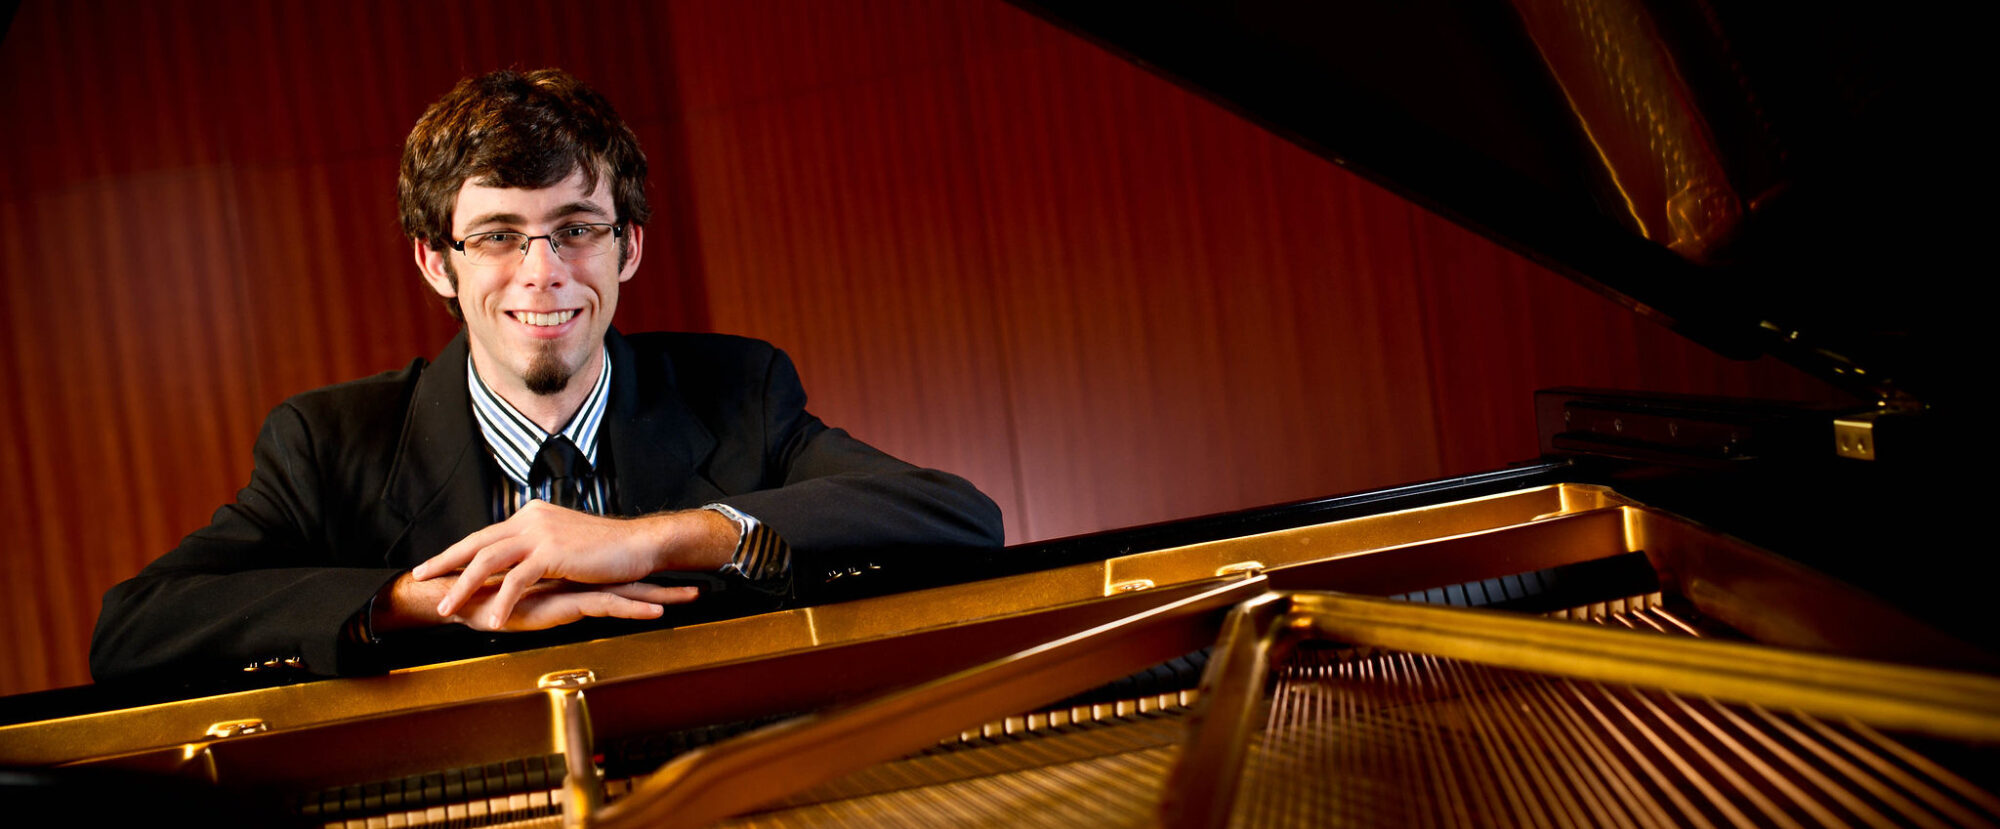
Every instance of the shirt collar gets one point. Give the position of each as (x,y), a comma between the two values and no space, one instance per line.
(514,440)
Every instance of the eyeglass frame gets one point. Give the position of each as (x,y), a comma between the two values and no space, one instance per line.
(555,247)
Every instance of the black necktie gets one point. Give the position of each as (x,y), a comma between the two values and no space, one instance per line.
(563,467)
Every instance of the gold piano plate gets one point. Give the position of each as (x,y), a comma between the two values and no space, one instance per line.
(1418,716)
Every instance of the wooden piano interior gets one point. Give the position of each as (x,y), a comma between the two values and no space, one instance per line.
(1640,669)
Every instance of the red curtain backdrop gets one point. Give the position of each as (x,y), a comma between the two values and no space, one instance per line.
(990,246)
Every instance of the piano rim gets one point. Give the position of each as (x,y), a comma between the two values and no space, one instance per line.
(1739,583)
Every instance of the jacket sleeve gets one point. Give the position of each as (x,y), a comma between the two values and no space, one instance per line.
(841,504)
(259,584)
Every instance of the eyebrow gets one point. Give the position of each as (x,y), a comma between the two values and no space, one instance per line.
(574,208)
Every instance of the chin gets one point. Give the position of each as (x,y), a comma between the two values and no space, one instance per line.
(547,375)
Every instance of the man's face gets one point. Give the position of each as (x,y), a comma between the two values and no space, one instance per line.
(534,323)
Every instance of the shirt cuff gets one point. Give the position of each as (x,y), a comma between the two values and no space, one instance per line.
(760,554)
(360,629)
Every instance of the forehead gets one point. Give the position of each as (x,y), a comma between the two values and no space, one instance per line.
(480,206)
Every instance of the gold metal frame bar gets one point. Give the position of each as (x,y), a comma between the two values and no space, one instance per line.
(1201,789)
(570,736)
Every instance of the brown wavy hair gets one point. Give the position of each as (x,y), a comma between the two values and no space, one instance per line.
(510,129)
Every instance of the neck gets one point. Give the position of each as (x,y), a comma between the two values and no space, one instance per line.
(549,411)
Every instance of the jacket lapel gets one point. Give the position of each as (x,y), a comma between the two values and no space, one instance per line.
(438,485)
(656,442)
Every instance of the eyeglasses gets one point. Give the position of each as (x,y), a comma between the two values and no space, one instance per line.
(572,242)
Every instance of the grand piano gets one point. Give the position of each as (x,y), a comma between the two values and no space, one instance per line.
(1687,611)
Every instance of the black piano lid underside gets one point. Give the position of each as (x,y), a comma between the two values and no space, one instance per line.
(1844,127)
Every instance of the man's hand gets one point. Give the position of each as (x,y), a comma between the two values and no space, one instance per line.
(544,542)
(411,603)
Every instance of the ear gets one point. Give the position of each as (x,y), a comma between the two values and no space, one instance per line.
(431,263)
(635,238)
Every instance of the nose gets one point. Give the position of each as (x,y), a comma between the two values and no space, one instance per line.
(540,266)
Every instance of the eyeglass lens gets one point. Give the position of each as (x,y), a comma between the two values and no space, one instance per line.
(573,242)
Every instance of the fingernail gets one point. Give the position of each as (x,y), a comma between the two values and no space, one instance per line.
(442,611)
(493,620)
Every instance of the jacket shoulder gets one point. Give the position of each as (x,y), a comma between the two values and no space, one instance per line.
(709,362)
(357,407)
(680,346)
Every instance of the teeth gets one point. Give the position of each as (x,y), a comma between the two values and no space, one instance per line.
(533,318)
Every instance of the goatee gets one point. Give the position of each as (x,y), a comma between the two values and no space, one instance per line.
(547,375)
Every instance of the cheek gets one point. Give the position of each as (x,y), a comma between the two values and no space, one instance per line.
(477,291)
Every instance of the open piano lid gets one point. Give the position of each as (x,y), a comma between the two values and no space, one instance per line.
(1762,177)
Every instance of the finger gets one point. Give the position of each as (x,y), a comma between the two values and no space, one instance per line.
(606,604)
(550,604)
(456,555)
(654,593)
(511,589)
(544,610)
(508,552)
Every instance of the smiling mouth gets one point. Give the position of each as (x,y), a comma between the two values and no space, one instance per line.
(552,318)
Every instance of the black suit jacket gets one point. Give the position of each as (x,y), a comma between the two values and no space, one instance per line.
(357,482)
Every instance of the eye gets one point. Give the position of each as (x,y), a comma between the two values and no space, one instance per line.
(495,241)
(576,232)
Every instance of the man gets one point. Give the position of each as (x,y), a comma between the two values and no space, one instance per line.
(543,469)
